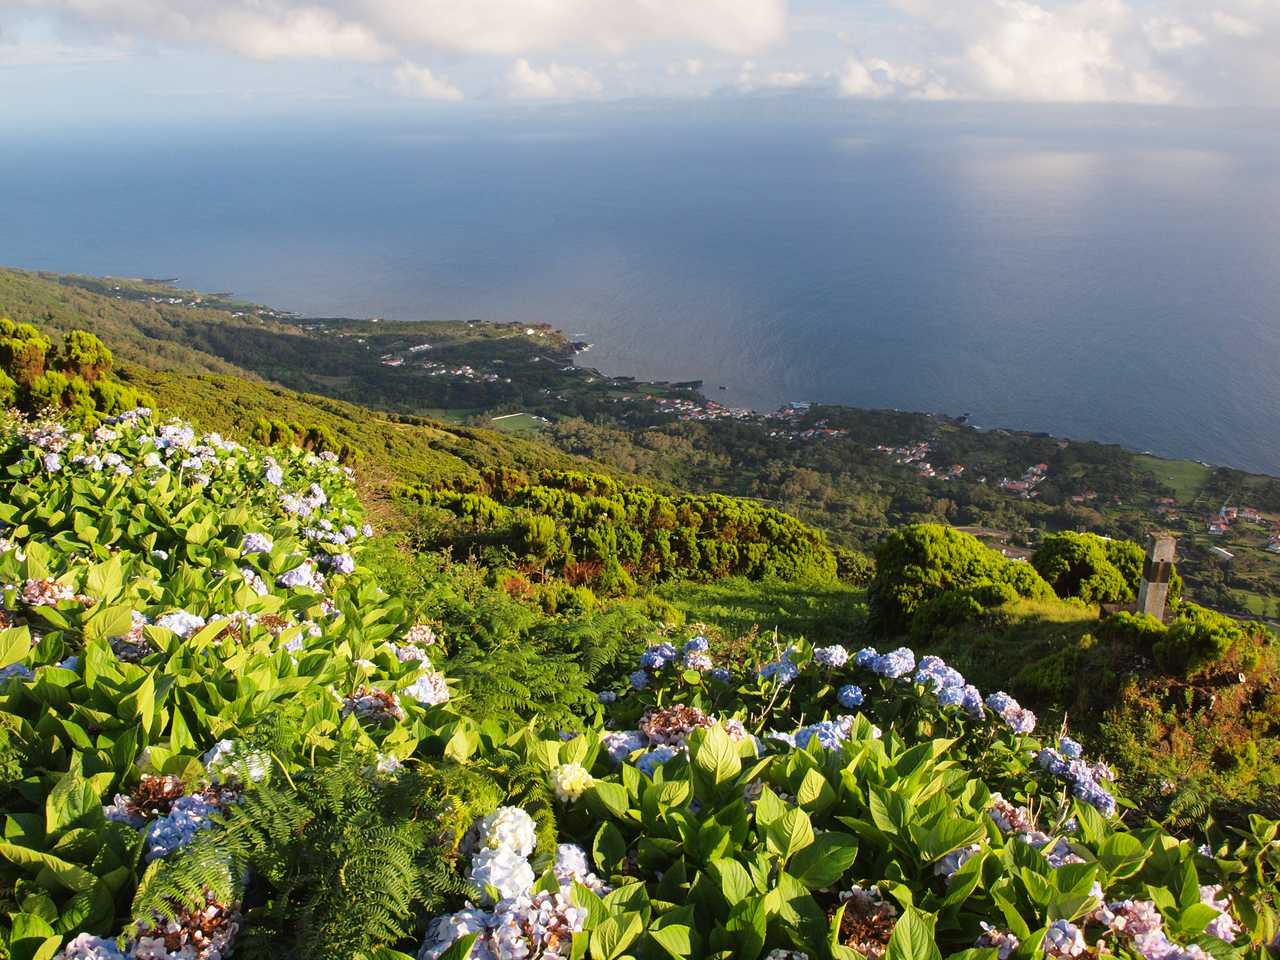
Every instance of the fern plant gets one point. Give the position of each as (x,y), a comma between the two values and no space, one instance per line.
(337,862)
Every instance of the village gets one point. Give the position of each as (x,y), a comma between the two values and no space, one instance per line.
(917,456)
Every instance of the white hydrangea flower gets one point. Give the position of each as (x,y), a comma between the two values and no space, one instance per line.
(509,827)
(503,869)
(570,780)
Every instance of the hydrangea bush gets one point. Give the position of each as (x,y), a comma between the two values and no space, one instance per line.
(166,598)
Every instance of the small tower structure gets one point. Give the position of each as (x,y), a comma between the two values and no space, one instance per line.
(1157,571)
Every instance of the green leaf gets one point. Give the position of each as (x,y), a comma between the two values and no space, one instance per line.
(673,932)
(789,834)
(735,882)
(612,796)
(912,937)
(609,849)
(612,937)
(714,757)
(460,949)
(825,860)
(586,898)
(747,924)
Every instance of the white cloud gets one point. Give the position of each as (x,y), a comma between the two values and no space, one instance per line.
(524,81)
(1231,25)
(787,79)
(412,80)
(877,79)
(1167,34)
(305,33)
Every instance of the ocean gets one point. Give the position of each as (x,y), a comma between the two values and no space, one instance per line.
(1103,274)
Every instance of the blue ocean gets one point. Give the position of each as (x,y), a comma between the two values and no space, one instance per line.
(1102,274)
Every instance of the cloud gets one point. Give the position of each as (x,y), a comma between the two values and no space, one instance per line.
(412,80)
(524,81)
(370,29)
(306,33)
(877,79)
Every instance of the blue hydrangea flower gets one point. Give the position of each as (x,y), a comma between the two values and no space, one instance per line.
(639,679)
(255,543)
(659,656)
(697,643)
(830,734)
(865,656)
(895,664)
(721,675)
(832,656)
(849,696)
(655,758)
(1070,748)
(784,671)
(934,672)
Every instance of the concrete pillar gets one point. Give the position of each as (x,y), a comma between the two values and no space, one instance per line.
(1157,571)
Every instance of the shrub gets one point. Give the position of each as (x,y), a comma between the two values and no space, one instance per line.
(1196,639)
(922,561)
(1084,565)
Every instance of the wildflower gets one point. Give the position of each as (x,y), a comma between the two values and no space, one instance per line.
(895,664)
(1000,940)
(782,670)
(189,816)
(1064,939)
(830,734)
(509,827)
(570,781)
(620,744)
(255,543)
(254,582)
(1018,719)
(697,660)
(657,657)
(503,869)
(966,697)
(420,635)
(300,576)
(1008,818)
(832,656)
(934,672)
(571,866)
(429,689)
(1223,926)
(955,860)
(649,762)
(849,696)
(88,947)
(342,563)
(182,623)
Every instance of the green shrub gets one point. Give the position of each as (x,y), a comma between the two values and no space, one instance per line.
(1083,565)
(922,561)
(1196,639)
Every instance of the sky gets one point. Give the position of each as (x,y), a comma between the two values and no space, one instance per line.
(79,59)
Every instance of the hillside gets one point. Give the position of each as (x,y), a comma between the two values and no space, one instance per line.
(567,710)
(855,474)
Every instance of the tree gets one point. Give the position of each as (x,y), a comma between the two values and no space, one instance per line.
(84,356)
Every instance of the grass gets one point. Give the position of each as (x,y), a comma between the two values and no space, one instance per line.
(821,613)
(519,423)
(1185,477)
